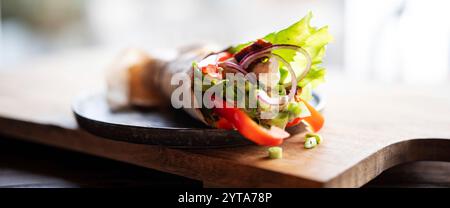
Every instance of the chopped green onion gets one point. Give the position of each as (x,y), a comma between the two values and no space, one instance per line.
(275,152)
(194,64)
(294,108)
(306,93)
(310,142)
(317,136)
(280,120)
(283,74)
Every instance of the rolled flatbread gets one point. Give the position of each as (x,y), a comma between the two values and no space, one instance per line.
(137,78)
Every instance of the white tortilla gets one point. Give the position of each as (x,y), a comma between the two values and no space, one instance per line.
(157,76)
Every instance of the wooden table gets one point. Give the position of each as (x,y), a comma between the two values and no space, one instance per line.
(27,165)
(369,128)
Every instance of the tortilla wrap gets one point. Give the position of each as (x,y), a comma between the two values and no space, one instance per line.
(138,78)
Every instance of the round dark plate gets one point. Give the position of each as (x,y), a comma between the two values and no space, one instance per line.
(156,126)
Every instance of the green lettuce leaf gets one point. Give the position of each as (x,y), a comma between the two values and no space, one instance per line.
(311,39)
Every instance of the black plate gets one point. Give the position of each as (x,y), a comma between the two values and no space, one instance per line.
(158,126)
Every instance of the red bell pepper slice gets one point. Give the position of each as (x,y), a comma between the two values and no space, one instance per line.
(223,123)
(250,129)
(294,122)
(315,121)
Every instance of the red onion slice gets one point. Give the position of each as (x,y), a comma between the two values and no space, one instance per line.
(293,76)
(278,101)
(234,66)
(250,58)
(238,68)
(264,97)
(267,52)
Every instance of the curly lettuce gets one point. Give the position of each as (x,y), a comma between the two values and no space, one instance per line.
(302,34)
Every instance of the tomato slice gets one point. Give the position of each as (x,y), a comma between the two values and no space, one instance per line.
(212,71)
(250,129)
(315,121)
(209,64)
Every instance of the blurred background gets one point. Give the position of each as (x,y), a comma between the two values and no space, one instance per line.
(385,40)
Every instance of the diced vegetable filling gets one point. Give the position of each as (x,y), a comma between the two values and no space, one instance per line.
(279,71)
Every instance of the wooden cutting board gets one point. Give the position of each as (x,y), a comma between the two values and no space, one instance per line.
(369,128)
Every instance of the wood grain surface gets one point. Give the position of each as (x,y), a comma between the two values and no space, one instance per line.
(369,128)
(27,165)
